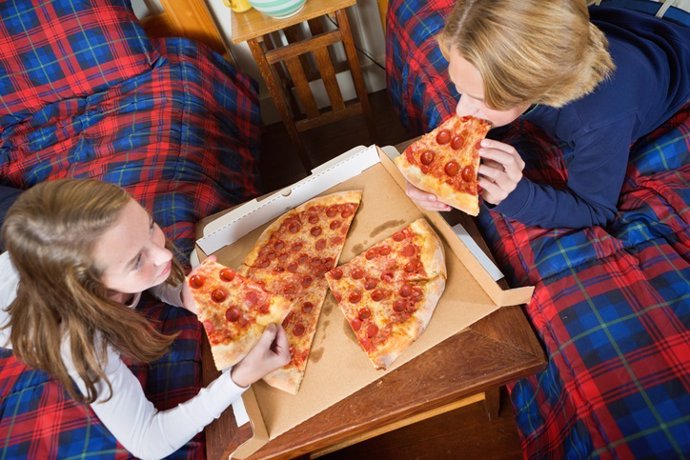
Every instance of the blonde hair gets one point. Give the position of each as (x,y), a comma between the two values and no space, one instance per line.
(529,51)
(50,232)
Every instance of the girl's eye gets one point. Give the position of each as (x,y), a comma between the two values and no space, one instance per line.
(137,264)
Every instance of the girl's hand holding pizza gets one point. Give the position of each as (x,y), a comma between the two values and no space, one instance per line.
(270,352)
(500,170)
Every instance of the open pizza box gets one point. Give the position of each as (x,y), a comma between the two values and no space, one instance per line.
(337,366)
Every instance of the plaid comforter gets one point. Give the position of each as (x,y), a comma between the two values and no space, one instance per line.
(611,304)
(170,121)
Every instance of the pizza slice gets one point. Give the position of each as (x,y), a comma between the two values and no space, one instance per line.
(290,258)
(389,292)
(445,162)
(233,309)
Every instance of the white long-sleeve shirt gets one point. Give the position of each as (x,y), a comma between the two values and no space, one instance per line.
(142,429)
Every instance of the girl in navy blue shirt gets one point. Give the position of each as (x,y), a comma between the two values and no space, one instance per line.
(595,80)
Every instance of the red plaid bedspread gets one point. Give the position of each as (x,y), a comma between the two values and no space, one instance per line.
(611,304)
(181,135)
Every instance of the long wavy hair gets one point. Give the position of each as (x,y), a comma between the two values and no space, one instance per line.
(536,51)
(50,233)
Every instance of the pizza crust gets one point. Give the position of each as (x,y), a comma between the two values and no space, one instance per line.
(433,255)
(465,202)
(412,329)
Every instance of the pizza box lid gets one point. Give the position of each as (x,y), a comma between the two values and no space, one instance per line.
(337,366)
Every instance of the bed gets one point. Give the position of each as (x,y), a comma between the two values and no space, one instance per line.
(611,304)
(85,92)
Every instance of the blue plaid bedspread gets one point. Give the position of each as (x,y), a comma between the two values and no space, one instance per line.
(611,304)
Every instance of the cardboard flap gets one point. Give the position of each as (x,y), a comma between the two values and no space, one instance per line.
(260,434)
(235,224)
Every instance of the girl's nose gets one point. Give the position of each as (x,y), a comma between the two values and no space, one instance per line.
(160,255)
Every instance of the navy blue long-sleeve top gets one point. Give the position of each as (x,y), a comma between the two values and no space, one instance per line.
(650,83)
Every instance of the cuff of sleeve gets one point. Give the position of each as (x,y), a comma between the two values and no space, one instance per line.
(517,200)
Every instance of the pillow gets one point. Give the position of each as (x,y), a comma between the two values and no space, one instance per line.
(52,50)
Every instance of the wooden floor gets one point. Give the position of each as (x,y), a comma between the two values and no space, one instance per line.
(463,433)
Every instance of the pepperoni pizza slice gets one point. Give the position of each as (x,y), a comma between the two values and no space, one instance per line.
(233,309)
(290,258)
(389,292)
(446,160)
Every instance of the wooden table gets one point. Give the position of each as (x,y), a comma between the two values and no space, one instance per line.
(282,49)
(469,367)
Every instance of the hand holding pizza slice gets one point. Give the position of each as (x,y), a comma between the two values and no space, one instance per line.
(233,309)
(445,162)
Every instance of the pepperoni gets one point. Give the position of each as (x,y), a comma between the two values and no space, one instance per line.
(452,168)
(208,325)
(297,247)
(378,294)
(306,281)
(409,250)
(307,307)
(299,329)
(405,290)
(315,231)
(399,236)
(337,273)
(371,254)
(443,136)
(399,305)
(467,173)
(364,313)
(283,256)
(411,267)
(357,273)
(294,226)
(292,267)
(387,276)
(332,211)
(384,250)
(426,157)
(218,295)
(335,241)
(265,308)
(356,323)
(425,169)
(334,224)
(303,259)
(320,244)
(313,219)
(278,245)
(370,284)
(355,297)
(196,281)
(456,142)
(252,298)
(227,275)
(290,288)
(347,212)
(232,314)
(372,330)
(263,263)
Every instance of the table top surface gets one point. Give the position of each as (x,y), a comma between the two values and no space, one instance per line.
(496,350)
(252,24)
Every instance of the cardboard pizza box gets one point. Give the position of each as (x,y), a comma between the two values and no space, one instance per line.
(338,367)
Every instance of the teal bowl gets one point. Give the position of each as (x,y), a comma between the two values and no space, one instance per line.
(278,9)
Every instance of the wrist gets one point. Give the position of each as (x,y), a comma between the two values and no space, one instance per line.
(239,378)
